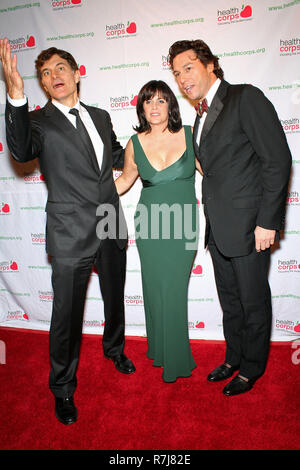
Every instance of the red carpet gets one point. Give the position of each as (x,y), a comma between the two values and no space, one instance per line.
(137,412)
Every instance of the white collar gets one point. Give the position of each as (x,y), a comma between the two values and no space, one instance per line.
(212,91)
(63,108)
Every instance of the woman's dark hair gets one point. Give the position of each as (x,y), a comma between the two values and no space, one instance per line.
(202,52)
(48,53)
(165,92)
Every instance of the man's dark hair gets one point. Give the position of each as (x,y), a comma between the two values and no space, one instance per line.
(202,52)
(165,92)
(48,53)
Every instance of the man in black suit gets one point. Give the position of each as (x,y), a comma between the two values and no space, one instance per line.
(77,150)
(246,162)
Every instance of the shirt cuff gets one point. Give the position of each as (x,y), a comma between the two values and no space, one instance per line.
(18,102)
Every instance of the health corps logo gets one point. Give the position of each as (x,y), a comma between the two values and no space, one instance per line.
(289,46)
(234,15)
(1,147)
(4,208)
(82,70)
(165,64)
(116,174)
(131,241)
(93,323)
(120,103)
(33,107)
(290,126)
(62,4)
(22,43)
(8,266)
(134,300)
(35,178)
(287,325)
(197,270)
(45,296)
(117,31)
(198,325)
(293,198)
(38,238)
(288,266)
(17,315)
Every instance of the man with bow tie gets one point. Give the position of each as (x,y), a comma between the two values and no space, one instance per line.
(77,149)
(246,162)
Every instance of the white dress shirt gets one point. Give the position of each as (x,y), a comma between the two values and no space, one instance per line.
(209,97)
(85,117)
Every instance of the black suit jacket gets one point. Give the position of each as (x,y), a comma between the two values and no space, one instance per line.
(76,187)
(246,163)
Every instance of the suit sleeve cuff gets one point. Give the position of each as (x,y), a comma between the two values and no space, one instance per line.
(18,102)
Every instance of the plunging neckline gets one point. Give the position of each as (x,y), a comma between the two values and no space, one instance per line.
(169,166)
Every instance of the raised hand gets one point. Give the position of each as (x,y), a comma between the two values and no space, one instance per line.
(14,81)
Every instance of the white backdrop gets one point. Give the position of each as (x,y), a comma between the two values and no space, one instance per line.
(120,45)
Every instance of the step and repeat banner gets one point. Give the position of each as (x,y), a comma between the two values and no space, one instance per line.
(120,45)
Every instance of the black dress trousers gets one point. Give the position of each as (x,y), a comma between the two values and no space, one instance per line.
(245,298)
(70,277)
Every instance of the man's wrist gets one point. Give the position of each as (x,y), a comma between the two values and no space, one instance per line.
(17,101)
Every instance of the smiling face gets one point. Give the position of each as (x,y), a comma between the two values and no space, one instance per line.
(156,110)
(59,80)
(193,78)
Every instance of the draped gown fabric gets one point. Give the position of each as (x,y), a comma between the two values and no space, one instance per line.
(166,225)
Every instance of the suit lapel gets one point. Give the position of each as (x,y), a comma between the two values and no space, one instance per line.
(195,133)
(70,132)
(61,121)
(214,109)
(98,121)
(100,124)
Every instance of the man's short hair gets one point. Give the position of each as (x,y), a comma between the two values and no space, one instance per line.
(201,50)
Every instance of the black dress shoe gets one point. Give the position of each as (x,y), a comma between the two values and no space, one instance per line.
(221,372)
(122,363)
(237,386)
(65,410)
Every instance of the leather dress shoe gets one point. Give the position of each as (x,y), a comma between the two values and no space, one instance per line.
(221,372)
(237,386)
(65,410)
(122,363)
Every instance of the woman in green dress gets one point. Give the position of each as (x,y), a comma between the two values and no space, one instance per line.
(166,223)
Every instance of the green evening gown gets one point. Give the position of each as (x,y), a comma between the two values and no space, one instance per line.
(167,244)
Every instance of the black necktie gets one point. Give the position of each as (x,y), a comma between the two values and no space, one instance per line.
(85,137)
